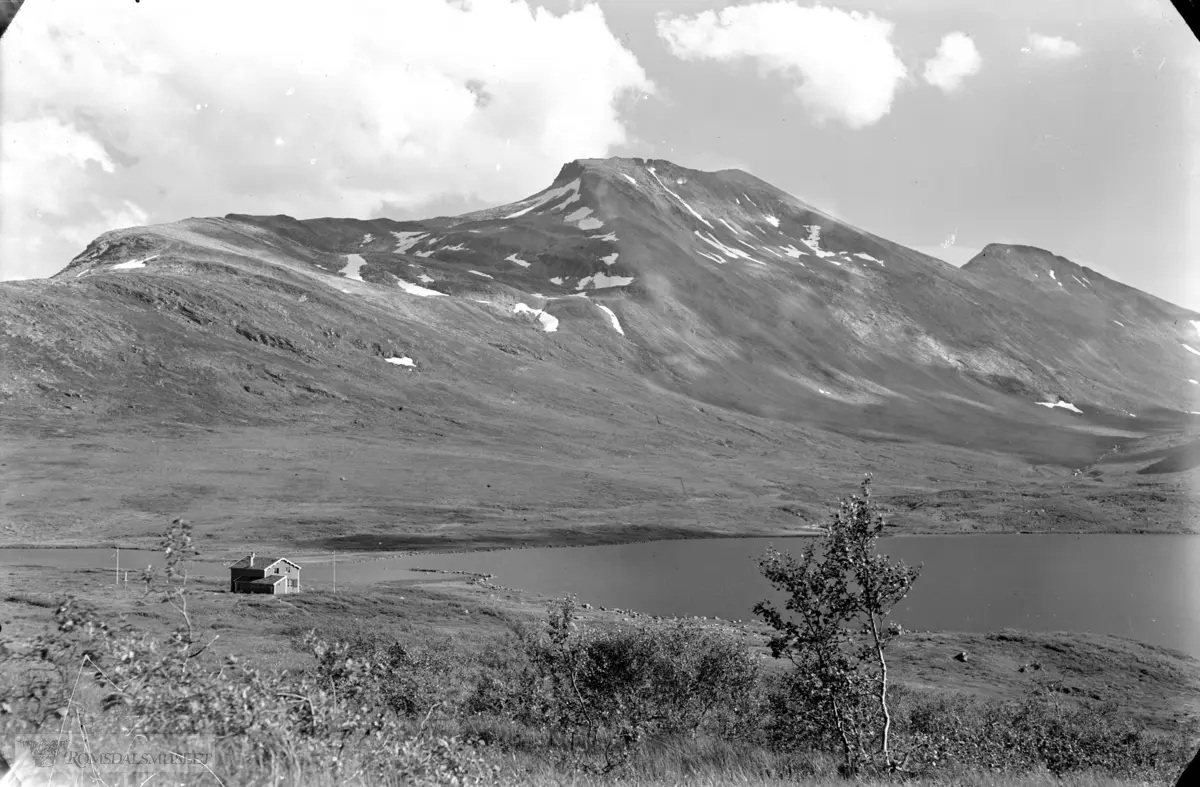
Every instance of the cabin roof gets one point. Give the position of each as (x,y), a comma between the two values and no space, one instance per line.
(261,561)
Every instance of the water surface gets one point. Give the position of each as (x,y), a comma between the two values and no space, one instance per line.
(1142,586)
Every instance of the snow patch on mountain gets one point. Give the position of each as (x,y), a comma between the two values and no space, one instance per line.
(611,237)
(1076,278)
(401,361)
(1118,322)
(792,251)
(513,258)
(124,266)
(1196,325)
(601,280)
(612,316)
(610,259)
(367,239)
(726,250)
(484,275)
(863,256)
(455,247)
(353,263)
(416,289)
(676,196)
(566,202)
(732,228)
(1190,349)
(711,256)
(769,250)
(630,179)
(1193,382)
(426,279)
(582,220)
(1052,276)
(406,240)
(425,254)
(549,321)
(813,241)
(774,222)
(1062,404)
(552,194)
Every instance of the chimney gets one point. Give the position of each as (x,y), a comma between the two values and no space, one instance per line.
(252,556)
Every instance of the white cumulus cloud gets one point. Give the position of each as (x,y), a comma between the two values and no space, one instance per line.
(126,113)
(956,59)
(1051,47)
(842,63)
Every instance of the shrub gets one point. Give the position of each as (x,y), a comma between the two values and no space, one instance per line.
(598,693)
(332,718)
(1037,732)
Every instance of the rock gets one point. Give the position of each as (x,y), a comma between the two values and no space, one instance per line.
(585,606)
(961,656)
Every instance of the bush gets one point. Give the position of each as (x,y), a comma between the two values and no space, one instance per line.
(332,718)
(599,693)
(1022,736)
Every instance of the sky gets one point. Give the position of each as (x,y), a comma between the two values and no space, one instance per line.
(944,125)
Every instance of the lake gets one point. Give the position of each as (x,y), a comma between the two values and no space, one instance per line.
(1138,586)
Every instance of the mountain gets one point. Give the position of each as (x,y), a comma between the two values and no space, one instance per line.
(638,349)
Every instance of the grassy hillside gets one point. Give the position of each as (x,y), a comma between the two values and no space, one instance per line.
(456,632)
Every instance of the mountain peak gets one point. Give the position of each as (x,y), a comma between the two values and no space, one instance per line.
(1027,262)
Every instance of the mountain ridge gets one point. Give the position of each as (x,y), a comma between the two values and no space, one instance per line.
(632,309)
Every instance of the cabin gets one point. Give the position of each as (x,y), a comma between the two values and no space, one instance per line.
(260,574)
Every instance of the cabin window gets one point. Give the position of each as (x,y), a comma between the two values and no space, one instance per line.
(277,569)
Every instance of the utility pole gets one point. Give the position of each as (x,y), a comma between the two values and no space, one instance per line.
(118,577)
(335,573)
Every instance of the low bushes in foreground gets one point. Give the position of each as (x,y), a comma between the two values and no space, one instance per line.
(636,704)
(639,704)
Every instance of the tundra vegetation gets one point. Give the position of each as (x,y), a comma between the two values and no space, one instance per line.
(643,702)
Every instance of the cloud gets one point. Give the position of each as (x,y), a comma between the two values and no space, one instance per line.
(956,59)
(1051,47)
(134,112)
(842,63)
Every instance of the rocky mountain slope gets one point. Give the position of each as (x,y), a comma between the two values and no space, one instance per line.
(635,324)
